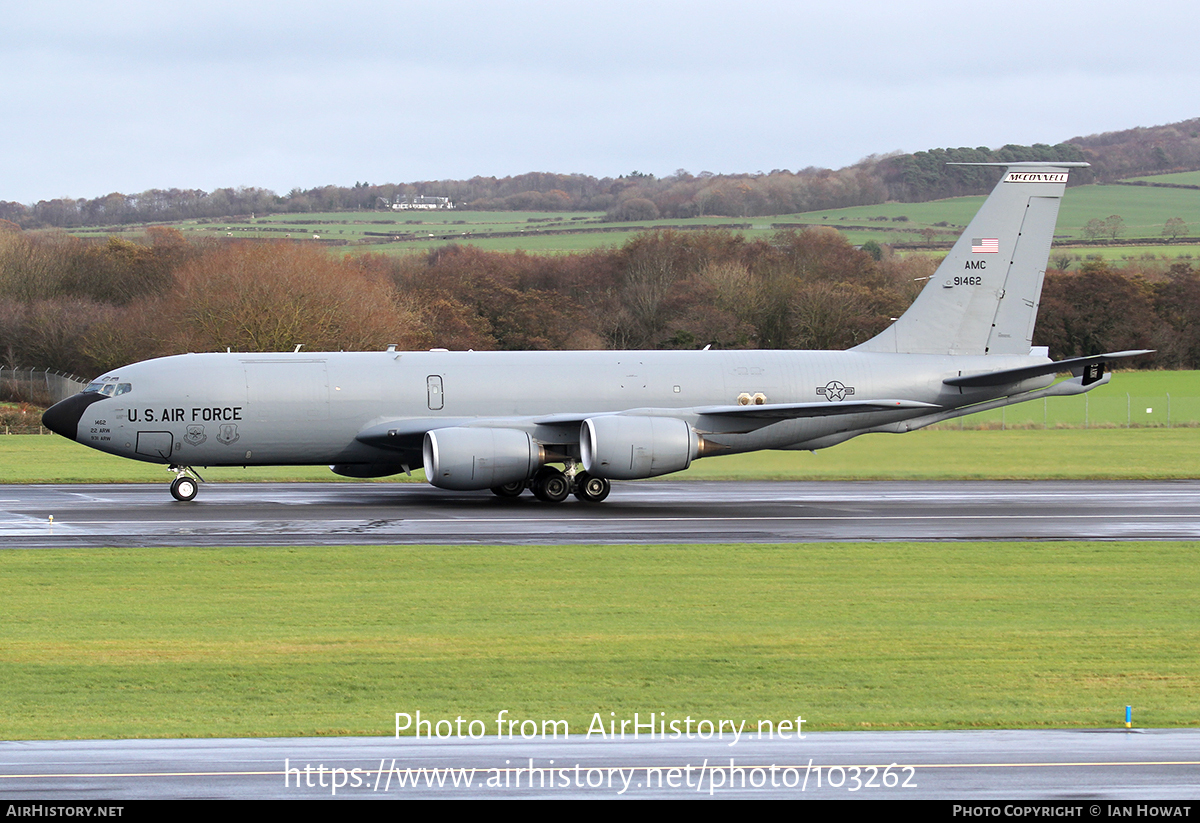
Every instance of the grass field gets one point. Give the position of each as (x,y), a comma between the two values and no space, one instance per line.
(103,643)
(1145,211)
(948,454)
(386,233)
(1181,178)
(281,642)
(1132,398)
(1120,254)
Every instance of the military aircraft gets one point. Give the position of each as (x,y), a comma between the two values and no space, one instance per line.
(505,420)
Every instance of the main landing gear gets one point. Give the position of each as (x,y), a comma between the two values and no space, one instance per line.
(186,483)
(554,486)
(591,489)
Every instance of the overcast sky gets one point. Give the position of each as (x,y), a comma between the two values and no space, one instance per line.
(100,97)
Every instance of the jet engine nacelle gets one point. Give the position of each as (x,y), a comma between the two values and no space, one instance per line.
(624,447)
(468,458)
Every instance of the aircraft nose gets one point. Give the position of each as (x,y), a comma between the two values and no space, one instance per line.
(63,417)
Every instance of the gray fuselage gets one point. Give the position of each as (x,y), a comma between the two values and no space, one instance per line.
(274,409)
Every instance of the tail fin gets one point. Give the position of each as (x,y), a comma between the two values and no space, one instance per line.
(983,299)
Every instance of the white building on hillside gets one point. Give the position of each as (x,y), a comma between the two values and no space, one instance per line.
(422,202)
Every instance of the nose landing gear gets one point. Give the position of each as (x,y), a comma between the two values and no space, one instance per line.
(186,484)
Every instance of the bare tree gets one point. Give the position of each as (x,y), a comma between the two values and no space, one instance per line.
(1175,228)
(275,296)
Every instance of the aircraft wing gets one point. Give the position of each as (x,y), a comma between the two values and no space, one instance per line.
(789,411)
(773,411)
(407,433)
(1090,368)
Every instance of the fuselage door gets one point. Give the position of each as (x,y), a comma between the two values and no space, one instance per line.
(155,444)
(433,387)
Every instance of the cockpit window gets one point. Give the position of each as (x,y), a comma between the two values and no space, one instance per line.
(109,387)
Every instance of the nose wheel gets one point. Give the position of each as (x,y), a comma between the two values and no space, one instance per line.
(186,484)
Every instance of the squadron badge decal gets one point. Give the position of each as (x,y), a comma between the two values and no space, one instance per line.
(195,435)
(228,434)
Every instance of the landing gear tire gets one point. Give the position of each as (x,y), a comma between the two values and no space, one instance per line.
(550,485)
(591,489)
(513,489)
(184,489)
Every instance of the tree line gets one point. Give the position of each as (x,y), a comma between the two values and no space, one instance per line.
(86,307)
(914,177)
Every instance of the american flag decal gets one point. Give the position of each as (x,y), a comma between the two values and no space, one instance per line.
(986,245)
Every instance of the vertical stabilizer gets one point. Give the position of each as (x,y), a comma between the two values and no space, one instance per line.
(983,299)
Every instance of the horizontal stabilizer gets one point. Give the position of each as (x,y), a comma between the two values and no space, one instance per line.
(1090,368)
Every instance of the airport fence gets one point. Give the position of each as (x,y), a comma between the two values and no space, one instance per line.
(25,392)
(1089,412)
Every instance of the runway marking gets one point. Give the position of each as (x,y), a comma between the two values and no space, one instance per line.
(640,767)
(140,774)
(650,518)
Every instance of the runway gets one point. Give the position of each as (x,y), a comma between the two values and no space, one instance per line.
(638,512)
(1090,769)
